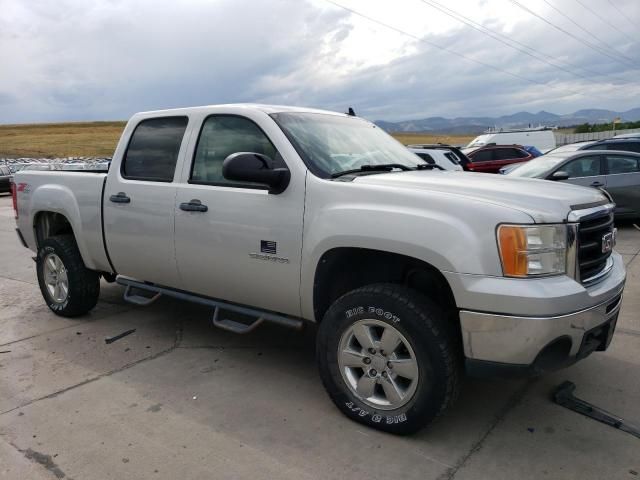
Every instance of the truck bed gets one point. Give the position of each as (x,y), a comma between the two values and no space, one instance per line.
(75,194)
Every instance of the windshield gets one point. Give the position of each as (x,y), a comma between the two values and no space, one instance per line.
(334,144)
(571,147)
(538,167)
(479,141)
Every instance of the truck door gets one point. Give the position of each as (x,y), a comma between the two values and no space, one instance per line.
(139,202)
(242,244)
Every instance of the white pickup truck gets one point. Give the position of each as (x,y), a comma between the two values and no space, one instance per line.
(292,215)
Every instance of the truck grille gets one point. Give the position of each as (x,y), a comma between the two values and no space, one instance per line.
(591,233)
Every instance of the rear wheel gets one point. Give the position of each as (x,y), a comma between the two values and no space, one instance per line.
(388,358)
(69,288)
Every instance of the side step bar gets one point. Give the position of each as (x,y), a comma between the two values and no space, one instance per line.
(259,316)
(139,299)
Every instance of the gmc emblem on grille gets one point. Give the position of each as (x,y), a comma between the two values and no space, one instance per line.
(607,242)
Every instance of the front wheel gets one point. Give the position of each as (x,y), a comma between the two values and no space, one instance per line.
(69,288)
(388,358)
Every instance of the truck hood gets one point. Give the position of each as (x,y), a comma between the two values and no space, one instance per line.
(544,200)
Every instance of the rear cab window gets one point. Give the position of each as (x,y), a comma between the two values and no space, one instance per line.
(153,149)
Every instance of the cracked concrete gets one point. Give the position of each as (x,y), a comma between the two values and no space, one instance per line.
(180,399)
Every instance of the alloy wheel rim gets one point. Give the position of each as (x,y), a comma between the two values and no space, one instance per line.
(378,364)
(55,278)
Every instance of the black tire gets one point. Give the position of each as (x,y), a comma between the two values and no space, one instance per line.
(84,284)
(432,337)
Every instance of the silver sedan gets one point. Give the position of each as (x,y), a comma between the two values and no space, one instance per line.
(617,172)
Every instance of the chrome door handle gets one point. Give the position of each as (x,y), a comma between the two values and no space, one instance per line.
(597,184)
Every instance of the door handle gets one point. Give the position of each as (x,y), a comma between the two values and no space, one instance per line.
(194,205)
(120,197)
(597,184)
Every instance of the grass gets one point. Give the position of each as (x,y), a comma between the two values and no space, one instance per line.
(414,138)
(97,139)
(88,139)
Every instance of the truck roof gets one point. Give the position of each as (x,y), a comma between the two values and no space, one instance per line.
(268,109)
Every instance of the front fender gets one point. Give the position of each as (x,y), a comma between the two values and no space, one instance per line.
(450,232)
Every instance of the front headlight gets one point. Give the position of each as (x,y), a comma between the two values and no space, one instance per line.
(529,251)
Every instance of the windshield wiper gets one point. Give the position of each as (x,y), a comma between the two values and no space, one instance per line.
(428,166)
(383,167)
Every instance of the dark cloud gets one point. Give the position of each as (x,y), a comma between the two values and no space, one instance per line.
(77,60)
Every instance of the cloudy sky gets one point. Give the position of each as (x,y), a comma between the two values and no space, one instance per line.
(391,60)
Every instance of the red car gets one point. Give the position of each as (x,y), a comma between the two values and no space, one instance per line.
(491,158)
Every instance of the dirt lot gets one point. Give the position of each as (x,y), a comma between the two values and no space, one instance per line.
(96,139)
(181,399)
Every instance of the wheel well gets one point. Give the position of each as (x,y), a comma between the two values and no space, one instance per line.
(48,224)
(344,269)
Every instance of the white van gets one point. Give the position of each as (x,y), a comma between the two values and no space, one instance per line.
(542,138)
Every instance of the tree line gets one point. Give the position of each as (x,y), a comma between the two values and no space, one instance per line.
(604,127)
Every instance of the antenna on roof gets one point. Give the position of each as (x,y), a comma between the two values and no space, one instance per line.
(351,112)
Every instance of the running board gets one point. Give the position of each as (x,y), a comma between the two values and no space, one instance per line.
(233,325)
(259,316)
(139,299)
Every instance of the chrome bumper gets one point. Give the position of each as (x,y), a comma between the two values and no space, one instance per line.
(519,339)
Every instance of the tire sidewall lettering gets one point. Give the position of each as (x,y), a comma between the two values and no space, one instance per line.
(376,417)
(373,310)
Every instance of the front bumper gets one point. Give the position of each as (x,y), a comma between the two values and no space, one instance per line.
(531,342)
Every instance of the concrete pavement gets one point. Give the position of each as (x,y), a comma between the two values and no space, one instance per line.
(181,399)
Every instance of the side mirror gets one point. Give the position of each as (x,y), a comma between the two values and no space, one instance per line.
(559,175)
(256,168)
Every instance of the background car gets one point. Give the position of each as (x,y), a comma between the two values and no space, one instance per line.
(628,135)
(443,158)
(543,138)
(617,172)
(626,144)
(5,179)
(491,158)
(510,168)
(456,151)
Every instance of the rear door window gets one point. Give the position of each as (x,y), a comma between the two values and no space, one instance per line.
(505,154)
(520,153)
(621,164)
(482,156)
(153,149)
(625,146)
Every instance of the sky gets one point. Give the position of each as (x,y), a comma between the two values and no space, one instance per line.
(72,60)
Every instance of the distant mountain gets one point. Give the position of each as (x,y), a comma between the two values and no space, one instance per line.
(516,120)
